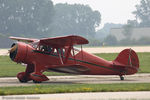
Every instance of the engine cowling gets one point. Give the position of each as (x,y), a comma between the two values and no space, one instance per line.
(18,52)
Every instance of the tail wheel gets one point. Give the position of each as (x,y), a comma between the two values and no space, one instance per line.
(34,81)
(22,78)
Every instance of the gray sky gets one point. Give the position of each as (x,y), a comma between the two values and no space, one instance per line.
(115,11)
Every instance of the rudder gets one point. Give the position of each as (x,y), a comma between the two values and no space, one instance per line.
(127,57)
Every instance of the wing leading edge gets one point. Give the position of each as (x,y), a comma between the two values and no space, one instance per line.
(56,41)
(23,39)
(64,41)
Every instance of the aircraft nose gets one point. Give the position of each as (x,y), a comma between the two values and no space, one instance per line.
(13,51)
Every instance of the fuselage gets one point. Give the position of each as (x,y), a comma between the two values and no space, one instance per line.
(47,59)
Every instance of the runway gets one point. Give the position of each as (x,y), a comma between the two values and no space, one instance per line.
(89,79)
(144,95)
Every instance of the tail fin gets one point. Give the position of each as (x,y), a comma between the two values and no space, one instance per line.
(127,58)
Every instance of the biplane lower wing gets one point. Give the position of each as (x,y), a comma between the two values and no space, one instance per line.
(74,69)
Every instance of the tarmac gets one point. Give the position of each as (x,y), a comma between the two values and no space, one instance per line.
(144,95)
(137,78)
(75,79)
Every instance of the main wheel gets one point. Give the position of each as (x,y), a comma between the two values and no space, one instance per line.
(23,81)
(22,78)
(121,78)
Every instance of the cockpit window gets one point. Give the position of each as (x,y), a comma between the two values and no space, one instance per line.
(59,51)
(46,48)
(74,51)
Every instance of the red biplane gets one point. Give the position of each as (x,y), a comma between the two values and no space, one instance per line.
(59,54)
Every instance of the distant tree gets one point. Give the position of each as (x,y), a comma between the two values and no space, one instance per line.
(143,13)
(110,40)
(94,42)
(25,17)
(75,19)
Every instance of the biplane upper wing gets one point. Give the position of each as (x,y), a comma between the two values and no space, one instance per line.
(64,41)
(23,39)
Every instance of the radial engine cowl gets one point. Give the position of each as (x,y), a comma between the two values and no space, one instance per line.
(18,52)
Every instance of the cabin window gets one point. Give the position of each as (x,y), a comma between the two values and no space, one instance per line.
(74,51)
(44,48)
(60,51)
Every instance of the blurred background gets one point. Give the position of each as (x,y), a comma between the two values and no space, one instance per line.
(102,22)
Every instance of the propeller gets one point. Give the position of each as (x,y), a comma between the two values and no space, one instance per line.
(13,48)
(13,51)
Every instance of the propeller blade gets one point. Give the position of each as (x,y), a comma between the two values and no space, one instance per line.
(13,49)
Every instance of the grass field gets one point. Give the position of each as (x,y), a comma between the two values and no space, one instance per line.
(71,88)
(9,68)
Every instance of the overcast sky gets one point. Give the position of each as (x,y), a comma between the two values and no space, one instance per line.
(114,11)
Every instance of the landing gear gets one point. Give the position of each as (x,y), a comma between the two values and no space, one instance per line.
(38,77)
(22,77)
(23,81)
(34,81)
(121,78)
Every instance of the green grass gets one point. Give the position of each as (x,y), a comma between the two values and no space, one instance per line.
(71,88)
(144,62)
(9,68)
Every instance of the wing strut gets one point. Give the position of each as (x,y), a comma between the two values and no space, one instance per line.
(74,55)
(60,56)
(67,54)
(81,52)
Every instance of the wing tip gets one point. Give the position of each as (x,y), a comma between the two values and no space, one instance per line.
(85,41)
(22,39)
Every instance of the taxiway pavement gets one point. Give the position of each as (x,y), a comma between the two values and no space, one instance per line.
(144,95)
(89,79)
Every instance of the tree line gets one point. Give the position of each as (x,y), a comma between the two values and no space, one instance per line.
(41,18)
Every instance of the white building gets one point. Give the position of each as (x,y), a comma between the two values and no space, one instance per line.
(137,33)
